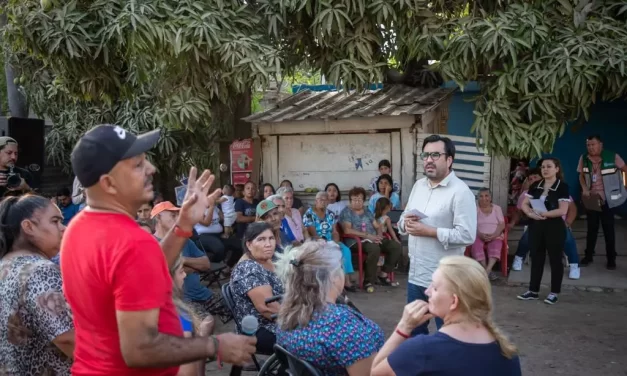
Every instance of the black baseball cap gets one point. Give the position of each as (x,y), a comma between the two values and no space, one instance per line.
(104,146)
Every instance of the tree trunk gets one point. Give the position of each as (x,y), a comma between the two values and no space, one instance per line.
(18,105)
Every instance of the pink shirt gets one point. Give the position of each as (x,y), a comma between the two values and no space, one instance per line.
(597,179)
(296,224)
(487,223)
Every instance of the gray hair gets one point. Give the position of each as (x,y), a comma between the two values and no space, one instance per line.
(308,274)
(321,193)
(275,197)
(283,190)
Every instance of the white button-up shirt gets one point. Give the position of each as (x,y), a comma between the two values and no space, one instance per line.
(451,208)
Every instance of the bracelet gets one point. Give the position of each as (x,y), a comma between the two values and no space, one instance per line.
(398,331)
(216,346)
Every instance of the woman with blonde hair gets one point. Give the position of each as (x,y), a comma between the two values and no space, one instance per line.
(334,338)
(189,321)
(469,343)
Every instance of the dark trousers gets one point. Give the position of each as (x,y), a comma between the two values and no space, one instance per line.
(547,236)
(392,251)
(415,292)
(606,217)
(265,341)
(216,248)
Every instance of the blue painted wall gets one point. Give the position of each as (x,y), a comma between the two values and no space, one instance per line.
(609,119)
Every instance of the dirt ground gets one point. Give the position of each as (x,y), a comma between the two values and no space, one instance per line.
(585,334)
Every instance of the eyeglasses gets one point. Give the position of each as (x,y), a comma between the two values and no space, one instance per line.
(434,155)
(357,200)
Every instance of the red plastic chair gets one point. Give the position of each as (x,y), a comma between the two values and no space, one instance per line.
(360,254)
(504,251)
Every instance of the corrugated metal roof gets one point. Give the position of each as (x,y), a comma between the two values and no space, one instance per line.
(392,100)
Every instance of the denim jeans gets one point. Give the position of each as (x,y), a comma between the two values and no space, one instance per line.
(415,292)
(570,247)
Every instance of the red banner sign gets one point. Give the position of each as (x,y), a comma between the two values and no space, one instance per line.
(241,161)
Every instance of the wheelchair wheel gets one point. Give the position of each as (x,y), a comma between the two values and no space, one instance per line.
(271,367)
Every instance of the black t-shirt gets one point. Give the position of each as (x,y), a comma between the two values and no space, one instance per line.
(249,210)
(558,192)
(25,174)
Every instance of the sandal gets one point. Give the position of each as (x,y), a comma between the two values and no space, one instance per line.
(385,281)
(369,287)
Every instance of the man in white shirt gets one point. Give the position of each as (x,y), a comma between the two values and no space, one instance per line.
(451,218)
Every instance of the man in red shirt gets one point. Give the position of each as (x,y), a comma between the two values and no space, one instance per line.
(115,275)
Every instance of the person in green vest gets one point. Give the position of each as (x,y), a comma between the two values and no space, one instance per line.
(601,174)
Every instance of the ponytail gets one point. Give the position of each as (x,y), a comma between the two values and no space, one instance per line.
(8,233)
(13,211)
(507,348)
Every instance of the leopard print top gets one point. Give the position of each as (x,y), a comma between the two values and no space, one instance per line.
(33,312)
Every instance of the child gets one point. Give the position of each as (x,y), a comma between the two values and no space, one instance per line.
(227,202)
(239,191)
(385,168)
(382,208)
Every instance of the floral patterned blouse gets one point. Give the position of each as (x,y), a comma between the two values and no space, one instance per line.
(246,276)
(335,339)
(33,312)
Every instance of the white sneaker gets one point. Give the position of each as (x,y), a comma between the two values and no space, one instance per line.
(575,272)
(517,264)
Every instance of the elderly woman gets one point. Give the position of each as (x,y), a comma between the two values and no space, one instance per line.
(490,226)
(253,280)
(384,185)
(298,204)
(37,335)
(292,215)
(334,338)
(321,223)
(359,221)
(468,344)
(288,234)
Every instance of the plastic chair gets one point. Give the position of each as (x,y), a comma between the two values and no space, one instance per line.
(295,365)
(504,251)
(360,254)
(227,294)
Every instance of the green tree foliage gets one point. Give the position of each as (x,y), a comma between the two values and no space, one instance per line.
(171,63)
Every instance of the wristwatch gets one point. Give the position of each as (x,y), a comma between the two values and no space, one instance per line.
(182,233)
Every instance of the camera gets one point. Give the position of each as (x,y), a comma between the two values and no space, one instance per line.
(14,179)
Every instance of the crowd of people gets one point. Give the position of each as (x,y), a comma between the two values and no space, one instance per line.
(119,292)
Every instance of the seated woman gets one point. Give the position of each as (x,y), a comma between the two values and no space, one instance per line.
(298,204)
(253,280)
(189,321)
(321,223)
(385,184)
(37,333)
(332,337)
(490,226)
(336,205)
(292,216)
(209,231)
(357,220)
(468,344)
